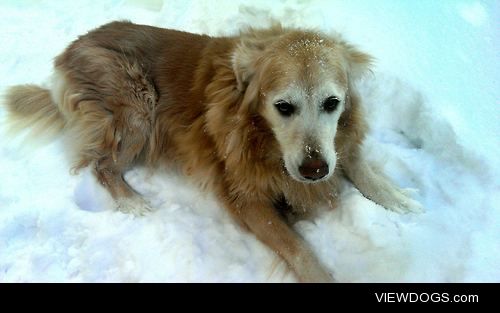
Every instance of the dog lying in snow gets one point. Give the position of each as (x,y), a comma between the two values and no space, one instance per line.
(268,120)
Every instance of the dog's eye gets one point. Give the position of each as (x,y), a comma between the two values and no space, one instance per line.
(330,104)
(284,108)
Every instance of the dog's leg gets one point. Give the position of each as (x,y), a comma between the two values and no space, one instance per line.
(377,187)
(264,221)
(127,142)
(111,142)
(110,106)
(110,175)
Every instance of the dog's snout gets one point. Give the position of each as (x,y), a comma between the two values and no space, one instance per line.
(313,169)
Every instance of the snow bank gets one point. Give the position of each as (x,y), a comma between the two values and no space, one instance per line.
(433,108)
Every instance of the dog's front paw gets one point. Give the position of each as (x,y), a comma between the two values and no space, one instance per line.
(136,206)
(400,201)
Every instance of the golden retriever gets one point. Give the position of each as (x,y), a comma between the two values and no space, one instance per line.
(268,120)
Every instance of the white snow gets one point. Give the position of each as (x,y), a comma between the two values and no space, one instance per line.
(433,105)
(474,13)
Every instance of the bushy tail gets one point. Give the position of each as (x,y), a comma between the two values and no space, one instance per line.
(31,108)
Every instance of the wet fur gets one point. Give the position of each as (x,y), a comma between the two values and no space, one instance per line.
(127,94)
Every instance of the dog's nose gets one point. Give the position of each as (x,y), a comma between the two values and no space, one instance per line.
(313,169)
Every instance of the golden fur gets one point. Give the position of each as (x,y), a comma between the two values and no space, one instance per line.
(126,93)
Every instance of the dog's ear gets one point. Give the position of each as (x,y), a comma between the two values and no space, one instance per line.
(359,62)
(250,49)
(245,58)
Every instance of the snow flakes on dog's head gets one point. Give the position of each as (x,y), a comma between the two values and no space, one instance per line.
(306,44)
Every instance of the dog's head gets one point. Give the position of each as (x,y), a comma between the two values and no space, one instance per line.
(299,83)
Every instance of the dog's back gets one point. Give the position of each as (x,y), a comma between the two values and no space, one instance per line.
(105,96)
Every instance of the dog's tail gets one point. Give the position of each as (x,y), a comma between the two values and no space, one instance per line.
(31,108)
